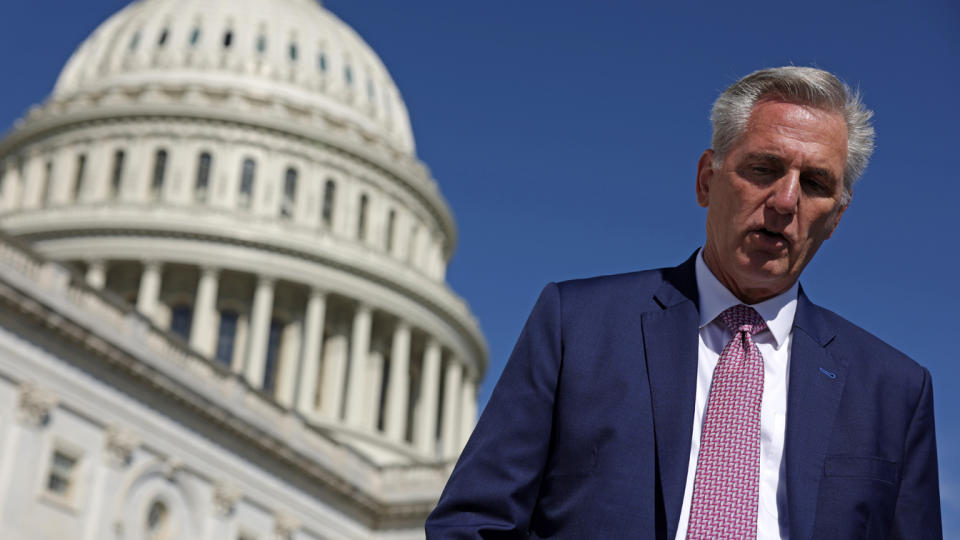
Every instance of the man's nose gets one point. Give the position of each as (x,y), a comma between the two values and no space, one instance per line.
(786,193)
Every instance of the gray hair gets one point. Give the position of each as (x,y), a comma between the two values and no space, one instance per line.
(803,85)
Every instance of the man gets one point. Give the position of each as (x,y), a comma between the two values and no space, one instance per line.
(714,400)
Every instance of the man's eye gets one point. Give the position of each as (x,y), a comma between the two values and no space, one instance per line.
(761,170)
(815,186)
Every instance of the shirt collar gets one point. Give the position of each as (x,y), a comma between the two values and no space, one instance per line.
(715,298)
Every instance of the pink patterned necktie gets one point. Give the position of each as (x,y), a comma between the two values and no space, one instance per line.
(727,483)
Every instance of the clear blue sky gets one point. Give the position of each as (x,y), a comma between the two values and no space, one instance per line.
(566,134)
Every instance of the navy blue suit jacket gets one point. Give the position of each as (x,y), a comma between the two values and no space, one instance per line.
(587,433)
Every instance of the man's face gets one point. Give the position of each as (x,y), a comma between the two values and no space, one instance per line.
(775,199)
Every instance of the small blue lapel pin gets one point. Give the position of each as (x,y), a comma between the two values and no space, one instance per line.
(830,374)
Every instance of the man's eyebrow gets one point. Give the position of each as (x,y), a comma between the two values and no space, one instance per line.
(762,156)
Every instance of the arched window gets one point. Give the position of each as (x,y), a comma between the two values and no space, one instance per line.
(227,39)
(202,184)
(180,319)
(289,193)
(246,183)
(78,177)
(322,62)
(362,218)
(261,44)
(348,75)
(162,40)
(195,35)
(293,52)
(134,41)
(157,520)
(370,91)
(391,220)
(226,336)
(329,192)
(116,180)
(273,351)
(159,172)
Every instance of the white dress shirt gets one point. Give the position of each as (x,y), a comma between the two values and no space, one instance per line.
(774,345)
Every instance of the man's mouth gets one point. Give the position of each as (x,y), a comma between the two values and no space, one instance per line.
(772,237)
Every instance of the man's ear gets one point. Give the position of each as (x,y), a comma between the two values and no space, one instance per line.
(704,176)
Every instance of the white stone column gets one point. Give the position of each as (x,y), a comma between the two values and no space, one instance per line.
(98,174)
(398,387)
(259,331)
(202,331)
(468,410)
(334,365)
(426,432)
(149,292)
(96,274)
(359,353)
(310,361)
(12,185)
(287,363)
(451,408)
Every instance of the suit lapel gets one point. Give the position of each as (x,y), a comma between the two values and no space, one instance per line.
(670,344)
(816,383)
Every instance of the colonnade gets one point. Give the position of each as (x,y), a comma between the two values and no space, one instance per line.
(326,356)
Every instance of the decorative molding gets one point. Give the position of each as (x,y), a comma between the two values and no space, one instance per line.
(121,443)
(225,497)
(35,405)
(285,526)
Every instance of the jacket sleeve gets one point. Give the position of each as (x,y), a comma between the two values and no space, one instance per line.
(493,488)
(917,513)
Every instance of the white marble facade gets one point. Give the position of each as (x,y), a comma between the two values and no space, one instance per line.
(222,270)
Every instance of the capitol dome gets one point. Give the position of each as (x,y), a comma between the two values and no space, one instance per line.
(290,56)
(243,175)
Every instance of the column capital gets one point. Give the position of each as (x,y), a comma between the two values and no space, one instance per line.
(209,270)
(316,291)
(151,264)
(263,279)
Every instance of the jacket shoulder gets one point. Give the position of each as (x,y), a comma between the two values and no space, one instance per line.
(631,290)
(864,348)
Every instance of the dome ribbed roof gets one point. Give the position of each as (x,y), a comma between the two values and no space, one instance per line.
(290,52)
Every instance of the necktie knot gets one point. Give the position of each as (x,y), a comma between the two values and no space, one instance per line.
(741,318)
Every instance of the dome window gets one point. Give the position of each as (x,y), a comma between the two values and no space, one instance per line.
(202,184)
(261,44)
(78,178)
(45,183)
(134,41)
(293,52)
(362,218)
(116,180)
(329,192)
(159,173)
(246,182)
(322,62)
(227,39)
(226,336)
(195,36)
(370,91)
(289,194)
(348,75)
(162,40)
(391,225)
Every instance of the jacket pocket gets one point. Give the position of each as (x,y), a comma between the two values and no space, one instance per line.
(866,468)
